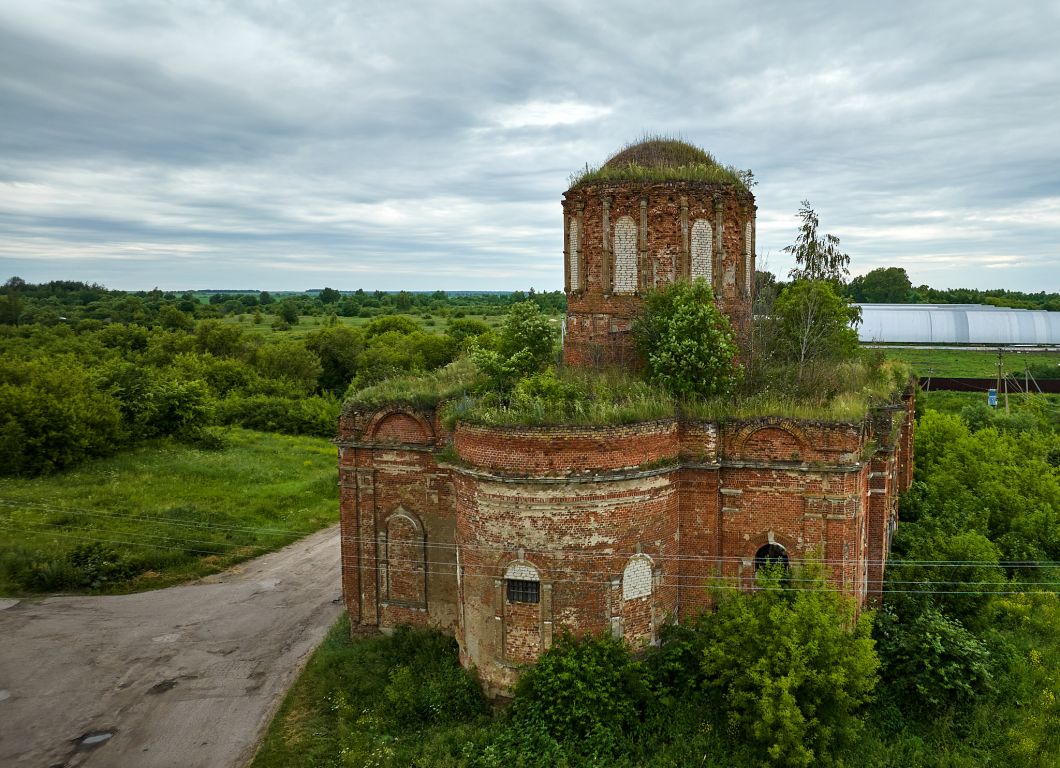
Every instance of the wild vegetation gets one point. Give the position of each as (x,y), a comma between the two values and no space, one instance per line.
(163,512)
(86,372)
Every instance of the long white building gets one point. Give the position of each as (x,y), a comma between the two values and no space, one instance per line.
(957,324)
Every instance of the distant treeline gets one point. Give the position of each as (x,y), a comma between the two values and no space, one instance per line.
(64,301)
(891,285)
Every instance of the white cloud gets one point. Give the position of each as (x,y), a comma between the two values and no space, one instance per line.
(543,114)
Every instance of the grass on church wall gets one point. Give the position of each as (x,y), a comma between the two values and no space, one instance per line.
(163,513)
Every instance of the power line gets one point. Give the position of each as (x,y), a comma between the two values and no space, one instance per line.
(894,561)
(670,580)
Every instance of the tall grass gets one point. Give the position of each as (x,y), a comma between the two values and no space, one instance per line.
(424,390)
(599,398)
(162,513)
(575,397)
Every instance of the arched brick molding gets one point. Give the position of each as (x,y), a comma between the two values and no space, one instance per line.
(703,251)
(638,593)
(396,425)
(770,441)
(405,557)
(625,255)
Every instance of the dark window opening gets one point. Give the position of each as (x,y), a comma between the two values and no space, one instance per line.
(523,591)
(771,554)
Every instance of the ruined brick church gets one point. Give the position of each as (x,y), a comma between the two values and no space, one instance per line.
(506,536)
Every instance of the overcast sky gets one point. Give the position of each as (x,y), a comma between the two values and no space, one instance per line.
(390,145)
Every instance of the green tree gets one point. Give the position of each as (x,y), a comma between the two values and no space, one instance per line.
(220,339)
(11,308)
(889,285)
(687,344)
(791,666)
(289,360)
(172,319)
(52,415)
(287,311)
(329,296)
(338,349)
(930,662)
(588,694)
(814,323)
(524,347)
(816,257)
(391,323)
(466,331)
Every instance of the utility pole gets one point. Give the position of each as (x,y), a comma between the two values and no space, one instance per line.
(998,389)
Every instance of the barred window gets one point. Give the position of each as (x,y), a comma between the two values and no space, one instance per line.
(523,591)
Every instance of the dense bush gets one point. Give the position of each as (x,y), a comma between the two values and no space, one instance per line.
(315,415)
(52,415)
(791,668)
(930,662)
(687,345)
(587,694)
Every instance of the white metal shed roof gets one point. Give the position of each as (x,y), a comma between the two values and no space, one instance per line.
(957,324)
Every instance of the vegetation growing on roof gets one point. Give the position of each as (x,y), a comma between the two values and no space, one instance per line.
(422,391)
(574,397)
(660,158)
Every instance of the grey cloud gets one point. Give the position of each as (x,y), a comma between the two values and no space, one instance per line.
(379,145)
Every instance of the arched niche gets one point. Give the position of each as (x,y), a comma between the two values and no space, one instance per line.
(399,426)
(406,560)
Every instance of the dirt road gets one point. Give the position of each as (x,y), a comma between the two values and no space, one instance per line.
(182,677)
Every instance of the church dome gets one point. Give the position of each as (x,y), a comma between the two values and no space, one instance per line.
(660,159)
(659,153)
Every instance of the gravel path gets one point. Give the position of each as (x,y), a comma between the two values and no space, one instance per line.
(182,677)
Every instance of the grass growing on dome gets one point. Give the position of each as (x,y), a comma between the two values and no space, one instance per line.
(657,158)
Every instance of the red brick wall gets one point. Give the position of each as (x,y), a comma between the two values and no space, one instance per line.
(567,450)
(401,428)
(598,321)
(578,503)
(579,534)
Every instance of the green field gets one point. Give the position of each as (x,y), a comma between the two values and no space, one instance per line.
(163,513)
(969,363)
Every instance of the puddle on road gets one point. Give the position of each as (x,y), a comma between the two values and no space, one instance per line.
(93,739)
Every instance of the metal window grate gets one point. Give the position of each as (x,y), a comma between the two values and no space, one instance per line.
(523,591)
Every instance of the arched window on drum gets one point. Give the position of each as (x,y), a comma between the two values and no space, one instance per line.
(625,256)
(703,251)
(638,625)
